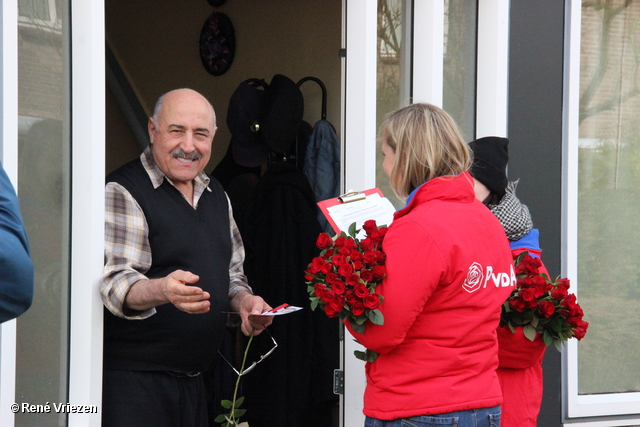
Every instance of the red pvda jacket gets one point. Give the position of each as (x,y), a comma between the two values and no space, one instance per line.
(449,269)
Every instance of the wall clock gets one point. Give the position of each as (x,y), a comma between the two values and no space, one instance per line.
(217,44)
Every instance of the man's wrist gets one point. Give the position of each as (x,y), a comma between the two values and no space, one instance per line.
(238,299)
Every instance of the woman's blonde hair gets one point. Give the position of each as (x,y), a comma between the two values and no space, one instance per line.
(427,145)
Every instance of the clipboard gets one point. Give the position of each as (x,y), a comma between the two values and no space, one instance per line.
(358,207)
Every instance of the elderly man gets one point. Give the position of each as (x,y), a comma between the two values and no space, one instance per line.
(173,269)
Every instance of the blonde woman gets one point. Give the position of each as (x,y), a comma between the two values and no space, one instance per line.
(449,269)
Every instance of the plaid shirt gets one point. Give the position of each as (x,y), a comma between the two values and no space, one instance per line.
(127,250)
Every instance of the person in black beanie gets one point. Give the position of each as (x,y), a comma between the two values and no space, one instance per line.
(490,158)
(520,360)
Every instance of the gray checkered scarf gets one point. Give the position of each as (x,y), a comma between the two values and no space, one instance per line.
(513,215)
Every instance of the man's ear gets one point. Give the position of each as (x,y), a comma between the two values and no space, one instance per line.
(151,126)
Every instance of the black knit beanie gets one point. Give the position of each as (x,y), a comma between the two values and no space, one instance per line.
(490,158)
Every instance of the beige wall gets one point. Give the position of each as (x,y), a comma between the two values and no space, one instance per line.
(156,44)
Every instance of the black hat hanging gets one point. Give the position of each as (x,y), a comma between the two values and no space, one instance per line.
(217,44)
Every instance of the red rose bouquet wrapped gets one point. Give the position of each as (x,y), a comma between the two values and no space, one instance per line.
(342,280)
(542,306)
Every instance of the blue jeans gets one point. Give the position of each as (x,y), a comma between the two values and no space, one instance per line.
(484,417)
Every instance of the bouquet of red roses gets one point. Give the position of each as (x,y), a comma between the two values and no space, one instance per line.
(542,306)
(342,280)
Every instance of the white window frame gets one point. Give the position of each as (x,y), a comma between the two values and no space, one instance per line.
(9,158)
(492,78)
(577,407)
(87,207)
(428,51)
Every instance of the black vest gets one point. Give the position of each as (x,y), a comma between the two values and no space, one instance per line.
(195,240)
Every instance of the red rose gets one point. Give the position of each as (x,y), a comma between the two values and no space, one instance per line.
(366,275)
(358,265)
(527,294)
(338,287)
(357,308)
(324,241)
(328,253)
(569,305)
(528,265)
(383,231)
(539,291)
(375,236)
(350,244)
(316,263)
(326,268)
(539,281)
(330,311)
(338,259)
(361,290)
(581,330)
(345,269)
(355,255)
(340,241)
(372,301)
(352,280)
(559,292)
(546,308)
(564,283)
(344,251)
(337,303)
(327,295)
(370,226)
(379,271)
(368,244)
(517,305)
(574,321)
(331,277)
(369,258)
(319,289)
(350,296)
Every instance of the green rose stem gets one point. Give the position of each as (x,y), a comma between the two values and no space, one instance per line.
(231,417)
(244,360)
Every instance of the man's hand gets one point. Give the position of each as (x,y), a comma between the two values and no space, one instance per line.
(250,307)
(174,288)
(191,299)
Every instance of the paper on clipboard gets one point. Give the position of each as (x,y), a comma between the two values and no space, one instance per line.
(373,206)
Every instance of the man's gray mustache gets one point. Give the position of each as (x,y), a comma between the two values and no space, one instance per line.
(194,155)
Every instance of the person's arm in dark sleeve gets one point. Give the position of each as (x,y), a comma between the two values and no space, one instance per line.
(16,268)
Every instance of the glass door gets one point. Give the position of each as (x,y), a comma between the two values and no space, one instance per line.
(50,358)
(603,157)
(397,51)
(44,187)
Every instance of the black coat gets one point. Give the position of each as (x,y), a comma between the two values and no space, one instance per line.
(294,386)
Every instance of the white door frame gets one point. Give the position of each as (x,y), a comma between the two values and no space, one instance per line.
(87,207)
(359,157)
(9,158)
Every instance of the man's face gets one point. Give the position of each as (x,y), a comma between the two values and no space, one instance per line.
(181,138)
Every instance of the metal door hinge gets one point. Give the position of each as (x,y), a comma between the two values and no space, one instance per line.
(338,381)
